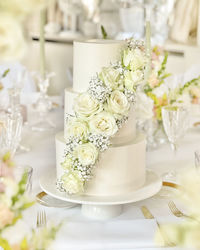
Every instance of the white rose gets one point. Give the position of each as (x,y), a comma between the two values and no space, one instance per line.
(76,127)
(86,153)
(132,79)
(67,164)
(118,103)
(85,106)
(103,123)
(134,59)
(111,78)
(12,42)
(72,183)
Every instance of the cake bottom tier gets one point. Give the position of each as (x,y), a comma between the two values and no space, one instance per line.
(121,168)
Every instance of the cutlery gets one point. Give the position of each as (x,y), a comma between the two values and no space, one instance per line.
(148,215)
(173,208)
(41,219)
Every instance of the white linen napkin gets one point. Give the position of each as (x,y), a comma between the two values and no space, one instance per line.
(103,235)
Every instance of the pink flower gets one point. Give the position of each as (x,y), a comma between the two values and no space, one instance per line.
(6,216)
(153,81)
(2,187)
(5,171)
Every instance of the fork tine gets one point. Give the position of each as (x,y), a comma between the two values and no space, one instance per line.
(41,218)
(175,210)
(44,218)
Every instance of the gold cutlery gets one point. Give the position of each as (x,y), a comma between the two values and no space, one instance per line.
(41,219)
(173,208)
(170,184)
(148,215)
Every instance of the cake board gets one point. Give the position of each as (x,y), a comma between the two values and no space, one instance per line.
(103,207)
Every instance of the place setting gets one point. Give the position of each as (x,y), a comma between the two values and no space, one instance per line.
(99,125)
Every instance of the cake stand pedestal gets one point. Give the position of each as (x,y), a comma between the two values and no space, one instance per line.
(101,212)
(103,207)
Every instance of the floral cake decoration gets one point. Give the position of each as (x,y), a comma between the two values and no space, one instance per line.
(100,112)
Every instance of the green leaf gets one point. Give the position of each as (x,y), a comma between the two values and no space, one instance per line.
(163,65)
(194,82)
(22,189)
(6,157)
(4,244)
(27,205)
(103,32)
(6,72)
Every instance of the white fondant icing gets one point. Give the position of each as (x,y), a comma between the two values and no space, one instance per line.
(120,169)
(89,58)
(125,134)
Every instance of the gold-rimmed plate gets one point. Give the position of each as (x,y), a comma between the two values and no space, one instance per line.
(49,201)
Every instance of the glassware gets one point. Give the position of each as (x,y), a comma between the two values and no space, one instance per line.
(154,131)
(43,105)
(176,123)
(197,160)
(11,132)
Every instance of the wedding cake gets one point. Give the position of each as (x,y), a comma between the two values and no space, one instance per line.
(121,167)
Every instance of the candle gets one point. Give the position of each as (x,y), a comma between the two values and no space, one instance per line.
(42,44)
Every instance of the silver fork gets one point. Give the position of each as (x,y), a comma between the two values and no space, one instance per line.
(41,219)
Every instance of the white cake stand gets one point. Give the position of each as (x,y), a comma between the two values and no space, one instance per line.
(103,207)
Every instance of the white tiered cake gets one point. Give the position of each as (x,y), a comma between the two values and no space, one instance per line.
(121,168)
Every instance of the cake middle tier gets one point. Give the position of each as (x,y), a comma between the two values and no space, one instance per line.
(124,135)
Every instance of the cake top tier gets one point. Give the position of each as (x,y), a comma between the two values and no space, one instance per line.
(89,58)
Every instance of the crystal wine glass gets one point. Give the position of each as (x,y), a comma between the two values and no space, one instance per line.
(175,122)
(43,104)
(11,128)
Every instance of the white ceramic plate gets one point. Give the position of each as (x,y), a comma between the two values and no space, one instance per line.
(49,201)
(152,186)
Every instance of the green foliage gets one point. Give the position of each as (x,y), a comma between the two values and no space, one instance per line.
(21,190)
(4,244)
(5,73)
(103,32)
(193,82)
(163,66)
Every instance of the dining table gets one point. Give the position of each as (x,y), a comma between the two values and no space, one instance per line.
(129,230)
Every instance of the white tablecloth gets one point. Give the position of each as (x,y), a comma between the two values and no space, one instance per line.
(128,231)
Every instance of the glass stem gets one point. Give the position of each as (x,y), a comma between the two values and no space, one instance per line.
(174,148)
